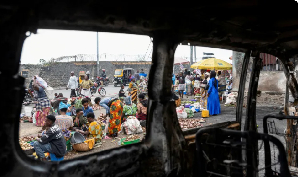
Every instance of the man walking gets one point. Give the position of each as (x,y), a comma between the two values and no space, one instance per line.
(72,84)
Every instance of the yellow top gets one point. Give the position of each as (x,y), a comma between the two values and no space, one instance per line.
(95,131)
(86,84)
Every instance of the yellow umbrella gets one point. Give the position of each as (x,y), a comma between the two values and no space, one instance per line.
(212,64)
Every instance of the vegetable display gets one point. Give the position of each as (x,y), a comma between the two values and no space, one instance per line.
(24,142)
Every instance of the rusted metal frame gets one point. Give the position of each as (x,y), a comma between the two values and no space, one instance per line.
(250,121)
(164,135)
(240,98)
(268,170)
(251,137)
(291,85)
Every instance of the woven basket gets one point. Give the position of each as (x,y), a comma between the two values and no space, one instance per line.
(81,147)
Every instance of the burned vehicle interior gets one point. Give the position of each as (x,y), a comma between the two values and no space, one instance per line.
(224,149)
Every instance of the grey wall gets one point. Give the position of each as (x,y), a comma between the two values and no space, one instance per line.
(57,74)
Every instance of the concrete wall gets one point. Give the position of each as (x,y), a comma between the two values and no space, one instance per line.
(268,80)
(57,74)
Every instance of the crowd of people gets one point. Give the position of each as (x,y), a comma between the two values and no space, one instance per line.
(132,102)
(209,85)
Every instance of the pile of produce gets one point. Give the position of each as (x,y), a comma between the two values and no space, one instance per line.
(190,102)
(26,119)
(144,129)
(132,137)
(96,107)
(189,123)
(101,119)
(24,142)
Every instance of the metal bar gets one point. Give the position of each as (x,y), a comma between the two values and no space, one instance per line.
(195,53)
(240,99)
(250,122)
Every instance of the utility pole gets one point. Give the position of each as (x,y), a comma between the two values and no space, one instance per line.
(97,56)
(191,56)
(195,53)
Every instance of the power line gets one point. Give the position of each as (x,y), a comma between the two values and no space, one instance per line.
(147,49)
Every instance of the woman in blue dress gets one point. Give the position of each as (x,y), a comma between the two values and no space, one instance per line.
(213,101)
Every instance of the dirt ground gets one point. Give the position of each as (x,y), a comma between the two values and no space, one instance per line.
(227,114)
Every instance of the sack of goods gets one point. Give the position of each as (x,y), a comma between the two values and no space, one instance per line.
(189,112)
(205,113)
(132,126)
(231,98)
(180,112)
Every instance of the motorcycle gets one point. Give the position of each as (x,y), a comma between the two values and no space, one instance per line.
(104,80)
(98,88)
(94,88)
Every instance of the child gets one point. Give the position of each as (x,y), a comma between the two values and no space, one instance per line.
(121,92)
(79,120)
(94,131)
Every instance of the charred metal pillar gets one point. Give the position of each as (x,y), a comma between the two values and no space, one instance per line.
(164,135)
(241,91)
(250,122)
(291,86)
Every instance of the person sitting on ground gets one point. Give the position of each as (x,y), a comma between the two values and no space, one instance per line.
(86,108)
(52,141)
(64,121)
(142,107)
(94,131)
(78,120)
(121,92)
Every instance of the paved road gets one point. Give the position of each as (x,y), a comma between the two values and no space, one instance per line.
(111,91)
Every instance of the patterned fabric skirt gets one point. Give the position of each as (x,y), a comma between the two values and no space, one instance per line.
(181,87)
(116,111)
(189,89)
(42,103)
(133,95)
(141,116)
(196,90)
(203,101)
(41,116)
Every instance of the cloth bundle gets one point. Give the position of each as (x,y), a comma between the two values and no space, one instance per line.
(132,126)
(181,112)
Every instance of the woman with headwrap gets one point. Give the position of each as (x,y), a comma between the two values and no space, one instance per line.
(129,109)
(133,89)
(43,104)
(213,101)
(142,108)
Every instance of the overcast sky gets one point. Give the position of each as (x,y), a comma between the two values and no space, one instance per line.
(47,44)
